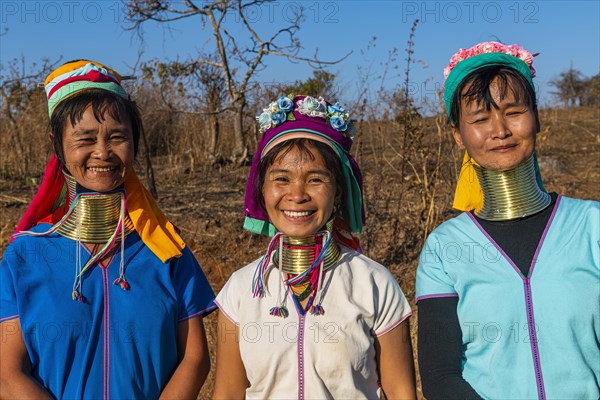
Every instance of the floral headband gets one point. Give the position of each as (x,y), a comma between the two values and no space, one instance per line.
(292,117)
(466,61)
(281,111)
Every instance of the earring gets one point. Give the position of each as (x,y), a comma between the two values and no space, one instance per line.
(336,209)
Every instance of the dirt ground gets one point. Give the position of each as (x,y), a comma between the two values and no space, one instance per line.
(206,204)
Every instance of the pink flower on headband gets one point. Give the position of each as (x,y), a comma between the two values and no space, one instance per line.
(490,47)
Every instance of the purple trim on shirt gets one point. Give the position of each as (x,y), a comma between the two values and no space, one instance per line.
(511,262)
(9,318)
(225,312)
(535,353)
(202,312)
(539,379)
(394,325)
(301,357)
(506,257)
(106,385)
(435,296)
(539,248)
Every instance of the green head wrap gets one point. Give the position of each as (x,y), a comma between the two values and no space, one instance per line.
(466,61)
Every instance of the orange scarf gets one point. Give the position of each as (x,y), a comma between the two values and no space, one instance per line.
(155,230)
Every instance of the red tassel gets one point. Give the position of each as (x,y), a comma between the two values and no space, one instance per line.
(75,295)
(121,282)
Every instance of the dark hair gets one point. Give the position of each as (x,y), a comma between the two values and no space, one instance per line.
(332,162)
(479,89)
(102,101)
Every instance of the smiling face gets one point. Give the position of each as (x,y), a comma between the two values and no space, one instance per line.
(501,137)
(99,154)
(299,192)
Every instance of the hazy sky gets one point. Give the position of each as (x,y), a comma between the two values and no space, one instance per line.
(565,33)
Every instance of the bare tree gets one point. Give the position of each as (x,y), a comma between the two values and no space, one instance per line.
(192,87)
(24,116)
(212,83)
(238,55)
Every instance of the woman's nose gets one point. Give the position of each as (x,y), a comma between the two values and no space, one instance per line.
(298,192)
(500,127)
(102,150)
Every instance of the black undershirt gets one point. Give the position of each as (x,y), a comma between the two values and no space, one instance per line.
(439,335)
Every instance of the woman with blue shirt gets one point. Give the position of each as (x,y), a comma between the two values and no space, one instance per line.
(99,296)
(508,291)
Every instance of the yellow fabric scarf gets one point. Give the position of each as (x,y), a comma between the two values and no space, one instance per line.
(150,223)
(468,195)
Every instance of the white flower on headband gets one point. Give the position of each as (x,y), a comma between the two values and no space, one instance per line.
(264,120)
(312,107)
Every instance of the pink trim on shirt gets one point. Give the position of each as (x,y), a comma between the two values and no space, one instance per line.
(202,312)
(394,325)
(9,317)
(300,352)
(106,333)
(225,312)
(435,296)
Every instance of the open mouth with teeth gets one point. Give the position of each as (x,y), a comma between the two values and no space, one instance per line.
(298,214)
(102,169)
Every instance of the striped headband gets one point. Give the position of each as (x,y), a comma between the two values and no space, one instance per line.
(76,76)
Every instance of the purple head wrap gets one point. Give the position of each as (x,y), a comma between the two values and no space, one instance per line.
(310,118)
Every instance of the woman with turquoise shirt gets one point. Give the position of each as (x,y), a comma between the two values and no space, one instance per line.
(508,291)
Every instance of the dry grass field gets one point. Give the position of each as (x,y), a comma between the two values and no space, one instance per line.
(206,202)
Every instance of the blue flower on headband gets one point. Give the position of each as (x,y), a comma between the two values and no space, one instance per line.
(336,108)
(338,123)
(278,117)
(276,113)
(285,104)
(338,117)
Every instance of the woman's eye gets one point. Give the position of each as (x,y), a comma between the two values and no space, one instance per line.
(280,179)
(515,112)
